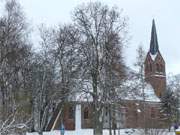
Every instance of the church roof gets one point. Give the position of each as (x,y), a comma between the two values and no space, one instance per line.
(135,90)
(130,89)
(154,47)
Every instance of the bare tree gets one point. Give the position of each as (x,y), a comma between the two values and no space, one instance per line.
(42,83)
(15,53)
(139,64)
(42,87)
(12,125)
(66,55)
(112,75)
(55,71)
(99,27)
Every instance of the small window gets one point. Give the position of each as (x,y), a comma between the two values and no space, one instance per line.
(150,67)
(157,68)
(147,67)
(71,112)
(86,113)
(162,68)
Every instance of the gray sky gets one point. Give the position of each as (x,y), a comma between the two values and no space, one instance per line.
(140,13)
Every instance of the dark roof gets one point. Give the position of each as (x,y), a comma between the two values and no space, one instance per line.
(154,48)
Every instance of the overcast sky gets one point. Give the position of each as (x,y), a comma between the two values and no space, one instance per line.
(140,13)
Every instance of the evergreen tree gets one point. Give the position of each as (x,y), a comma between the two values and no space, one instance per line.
(170,106)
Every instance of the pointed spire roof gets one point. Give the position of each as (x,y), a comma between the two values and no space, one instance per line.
(154,41)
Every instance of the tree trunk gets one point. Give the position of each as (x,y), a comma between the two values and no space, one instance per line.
(97,120)
(36,115)
(98,124)
(3,104)
(97,109)
(110,120)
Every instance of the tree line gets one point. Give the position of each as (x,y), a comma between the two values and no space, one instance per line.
(34,82)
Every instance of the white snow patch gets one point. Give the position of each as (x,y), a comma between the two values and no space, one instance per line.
(150,94)
(159,75)
(138,110)
(153,56)
(105,132)
(133,90)
(84,92)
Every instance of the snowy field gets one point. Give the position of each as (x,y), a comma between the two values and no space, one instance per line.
(106,132)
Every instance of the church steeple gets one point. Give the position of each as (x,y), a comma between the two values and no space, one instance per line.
(154,47)
(155,73)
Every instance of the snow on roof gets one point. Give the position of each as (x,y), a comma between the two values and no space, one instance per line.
(133,90)
(83,97)
(153,56)
(150,94)
(83,94)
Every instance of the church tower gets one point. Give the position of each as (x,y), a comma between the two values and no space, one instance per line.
(155,73)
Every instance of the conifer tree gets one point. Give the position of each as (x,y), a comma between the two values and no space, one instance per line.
(170,106)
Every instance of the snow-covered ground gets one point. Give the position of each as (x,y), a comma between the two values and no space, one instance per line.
(105,132)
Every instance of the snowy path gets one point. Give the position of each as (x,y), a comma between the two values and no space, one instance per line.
(105,132)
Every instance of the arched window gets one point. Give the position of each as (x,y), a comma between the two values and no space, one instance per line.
(147,67)
(150,67)
(86,113)
(158,68)
(71,112)
(162,68)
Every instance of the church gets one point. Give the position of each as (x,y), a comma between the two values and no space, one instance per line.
(134,111)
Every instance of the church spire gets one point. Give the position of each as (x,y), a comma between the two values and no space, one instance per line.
(154,41)
(154,70)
